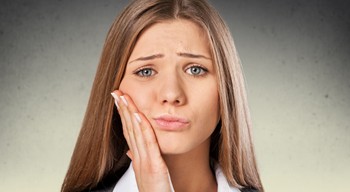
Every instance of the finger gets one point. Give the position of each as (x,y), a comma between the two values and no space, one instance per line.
(136,120)
(151,143)
(146,156)
(116,100)
(145,138)
(126,118)
(128,126)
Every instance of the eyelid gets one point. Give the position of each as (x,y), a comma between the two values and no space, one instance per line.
(138,70)
(143,67)
(205,70)
(196,65)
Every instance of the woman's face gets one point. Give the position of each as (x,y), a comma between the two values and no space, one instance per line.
(171,78)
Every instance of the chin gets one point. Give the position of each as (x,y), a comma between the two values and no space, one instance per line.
(177,143)
(182,146)
(173,146)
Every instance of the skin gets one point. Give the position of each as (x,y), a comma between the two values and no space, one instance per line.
(170,72)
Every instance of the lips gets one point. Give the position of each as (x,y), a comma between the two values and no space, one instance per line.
(171,122)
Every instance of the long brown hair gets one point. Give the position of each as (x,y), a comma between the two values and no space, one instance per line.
(100,150)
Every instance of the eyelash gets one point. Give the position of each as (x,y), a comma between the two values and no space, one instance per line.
(139,71)
(202,73)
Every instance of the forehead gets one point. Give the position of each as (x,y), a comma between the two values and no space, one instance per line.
(174,35)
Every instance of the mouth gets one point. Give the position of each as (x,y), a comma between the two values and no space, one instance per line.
(171,122)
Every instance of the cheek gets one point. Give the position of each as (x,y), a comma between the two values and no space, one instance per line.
(205,105)
(211,114)
(210,105)
(207,98)
(140,94)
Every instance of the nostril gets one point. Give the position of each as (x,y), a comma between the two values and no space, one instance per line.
(177,101)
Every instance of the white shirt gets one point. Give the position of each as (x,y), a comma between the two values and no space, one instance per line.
(128,182)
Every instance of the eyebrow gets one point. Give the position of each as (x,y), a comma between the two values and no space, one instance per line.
(191,55)
(146,58)
(182,54)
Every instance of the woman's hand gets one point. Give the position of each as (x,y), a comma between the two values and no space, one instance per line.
(150,169)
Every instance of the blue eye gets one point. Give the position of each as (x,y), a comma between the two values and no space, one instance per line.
(196,70)
(146,72)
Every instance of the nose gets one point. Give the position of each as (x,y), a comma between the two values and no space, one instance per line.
(171,90)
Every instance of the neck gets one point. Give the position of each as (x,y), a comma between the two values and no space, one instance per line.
(191,171)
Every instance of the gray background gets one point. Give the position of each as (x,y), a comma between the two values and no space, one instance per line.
(295,56)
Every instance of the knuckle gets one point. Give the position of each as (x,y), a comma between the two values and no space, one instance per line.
(149,143)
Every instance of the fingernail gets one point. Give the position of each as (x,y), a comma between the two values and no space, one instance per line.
(115,96)
(116,103)
(116,99)
(124,100)
(138,118)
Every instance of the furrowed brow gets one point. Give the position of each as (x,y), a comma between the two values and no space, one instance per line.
(146,58)
(191,55)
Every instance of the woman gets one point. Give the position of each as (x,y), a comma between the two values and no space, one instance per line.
(178,119)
